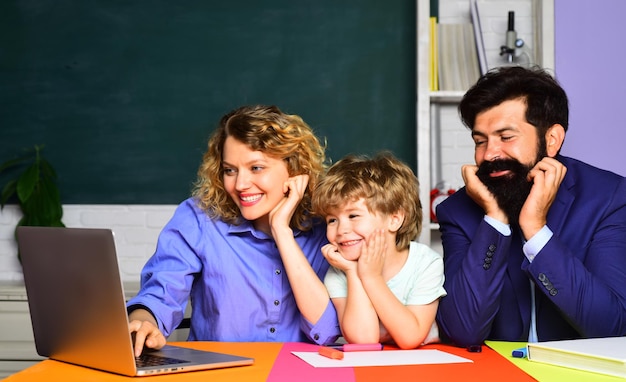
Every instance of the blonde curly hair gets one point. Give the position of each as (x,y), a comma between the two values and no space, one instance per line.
(269,130)
(387,185)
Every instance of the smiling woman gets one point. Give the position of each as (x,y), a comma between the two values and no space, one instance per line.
(270,134)
(247,231)
(253,179)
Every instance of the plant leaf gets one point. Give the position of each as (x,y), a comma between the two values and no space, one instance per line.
(12,163)
(48,201)
(37,193)
(46,169)
(27,182)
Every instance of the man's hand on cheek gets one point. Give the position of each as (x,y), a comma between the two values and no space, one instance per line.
(546,177)
(481,195)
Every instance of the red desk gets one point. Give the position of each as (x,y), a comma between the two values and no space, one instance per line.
(274,362)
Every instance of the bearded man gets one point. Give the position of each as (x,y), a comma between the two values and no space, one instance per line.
(535,243)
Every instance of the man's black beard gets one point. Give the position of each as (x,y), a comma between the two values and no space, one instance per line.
(511,190)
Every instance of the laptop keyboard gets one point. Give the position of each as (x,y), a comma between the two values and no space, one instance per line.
(155,360)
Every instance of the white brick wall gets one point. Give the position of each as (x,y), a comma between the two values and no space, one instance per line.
(456,148)
(136,229)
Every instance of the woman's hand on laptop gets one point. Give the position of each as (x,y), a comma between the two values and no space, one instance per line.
(145,331)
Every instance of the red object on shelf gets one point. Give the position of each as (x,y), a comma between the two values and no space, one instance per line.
(437,196)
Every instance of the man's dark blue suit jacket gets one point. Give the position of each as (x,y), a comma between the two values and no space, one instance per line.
(579,276)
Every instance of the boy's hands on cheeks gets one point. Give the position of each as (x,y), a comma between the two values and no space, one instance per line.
(372,258)
(336,260)
(293,189)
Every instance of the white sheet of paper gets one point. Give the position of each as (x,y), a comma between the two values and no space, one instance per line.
(382,358)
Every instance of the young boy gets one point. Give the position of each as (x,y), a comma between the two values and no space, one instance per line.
(385,286)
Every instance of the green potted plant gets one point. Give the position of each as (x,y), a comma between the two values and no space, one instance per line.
(34,185)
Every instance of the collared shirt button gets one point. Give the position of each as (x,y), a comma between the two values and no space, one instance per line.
(276,302)
(272,330)
(316,336)
(277,271)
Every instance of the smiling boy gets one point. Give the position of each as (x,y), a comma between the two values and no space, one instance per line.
(385,286)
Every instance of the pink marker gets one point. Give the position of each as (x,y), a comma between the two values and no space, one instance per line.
(362,347)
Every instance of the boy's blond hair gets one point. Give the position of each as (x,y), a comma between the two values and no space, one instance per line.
(386,184)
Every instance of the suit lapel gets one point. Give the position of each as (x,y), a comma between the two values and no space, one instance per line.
(563,201)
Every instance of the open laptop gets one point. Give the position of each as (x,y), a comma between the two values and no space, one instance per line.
(77,306)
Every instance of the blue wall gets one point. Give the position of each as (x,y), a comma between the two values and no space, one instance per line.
(590,64)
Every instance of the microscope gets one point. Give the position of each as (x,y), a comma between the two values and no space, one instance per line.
(514,47)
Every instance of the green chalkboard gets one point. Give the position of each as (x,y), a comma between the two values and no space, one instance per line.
(124,94)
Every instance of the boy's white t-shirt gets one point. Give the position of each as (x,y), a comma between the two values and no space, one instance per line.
(419,282)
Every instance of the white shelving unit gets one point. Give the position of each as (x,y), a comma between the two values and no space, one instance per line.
(443,143)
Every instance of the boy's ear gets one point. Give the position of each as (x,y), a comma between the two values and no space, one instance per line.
(395,221)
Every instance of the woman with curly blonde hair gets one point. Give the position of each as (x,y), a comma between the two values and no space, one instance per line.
(245,248)
(267,130)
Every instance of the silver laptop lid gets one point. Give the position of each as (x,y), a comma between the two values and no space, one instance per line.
(77,305)
(75,296)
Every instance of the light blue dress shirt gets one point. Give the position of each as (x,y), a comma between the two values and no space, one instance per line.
(235,278)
